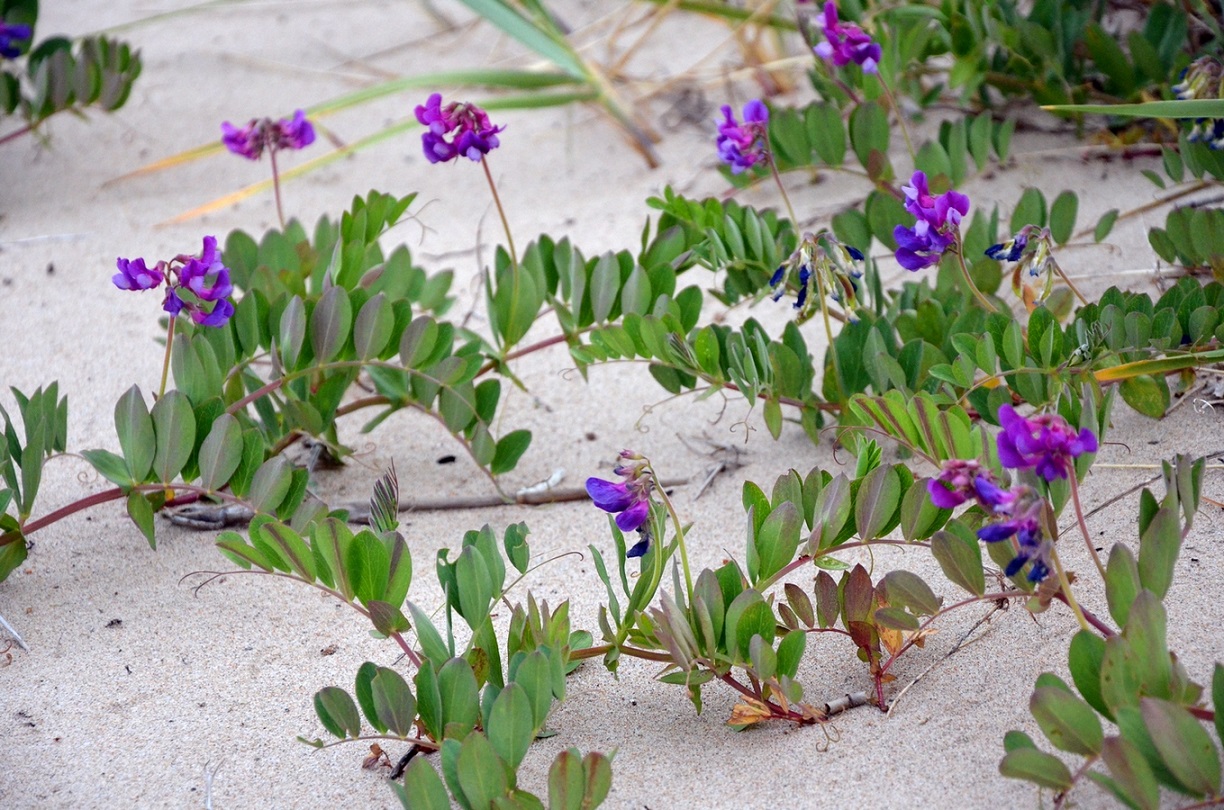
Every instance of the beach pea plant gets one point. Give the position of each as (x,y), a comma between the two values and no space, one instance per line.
(40,77)
(990,399)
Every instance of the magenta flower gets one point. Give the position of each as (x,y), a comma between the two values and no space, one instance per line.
(260,134)
(629,499)
(743,146)
(1045,442)
(937,228)
(456,129)
(133,275)
(204,277)
(847,43)
(10,35)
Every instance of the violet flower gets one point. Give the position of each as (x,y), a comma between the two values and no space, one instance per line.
(204,277)
(260,134)
(10,35)
(630,498)
(846,43)
(743,146)
(937,228)
(1030,543)
(456,129)
(1045,442)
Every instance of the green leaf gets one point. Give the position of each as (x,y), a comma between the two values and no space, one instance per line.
(221,453)
(290,546)
(330,324)
(110,466)
(481,773)
(1145,631)
(1184,746)
(364,689)
(1121,583)
(1217,698)
(292,332)
(1068,722)
(338,712)
(510,449)
(907,590)
(534,676)
(270,484)
(237,550)
(778,539)
(961,561)
(879,496)
(423,789)
(1036,766)
(428,637)
(174,426)
(1062,217)
(1105,225)
(1146,394)
(1133,780)
(369,567)
(511,727)
(1159,546)
(1085,655)
(566,784)
(1029,210)
(896,618)
(136,437)
(394,704)
(459,696)
(141,512)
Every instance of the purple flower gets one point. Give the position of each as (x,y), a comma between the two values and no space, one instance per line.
(134,275)
(247,141)
(847,43)
(1011,250)
(295,133)
(960,481)
(204,277)
(456,129)
(629,499)
(1045,442)
(1030,544)
(743,146)
(10,35)
(259,134)
(938,226)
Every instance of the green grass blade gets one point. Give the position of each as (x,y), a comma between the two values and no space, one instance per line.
(546,43)
(1190,108)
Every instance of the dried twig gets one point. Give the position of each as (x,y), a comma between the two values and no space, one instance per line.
(16,636)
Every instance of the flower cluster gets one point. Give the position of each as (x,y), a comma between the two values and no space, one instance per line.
(937,228)
(204,279)
(743,146)
(1202,79)
(260,134)
(630,498)
(456,129)
(846,43)
(821,262)
(1044,442)
(11,36)
(1035,246)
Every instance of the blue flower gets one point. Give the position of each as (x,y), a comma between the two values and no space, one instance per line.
(1031,545)
(1011,250)
(10,36)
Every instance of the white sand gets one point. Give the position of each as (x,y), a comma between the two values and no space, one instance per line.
(132,714)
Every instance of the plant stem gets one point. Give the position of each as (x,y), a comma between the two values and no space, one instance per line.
(161,390)
(671,510)
(960,258)
(790,209)
(501,212)
(1069,283)
(892,102)
(280,213)
(1066,591)
(1079,517)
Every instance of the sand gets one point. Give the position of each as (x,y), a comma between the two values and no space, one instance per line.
(136,687)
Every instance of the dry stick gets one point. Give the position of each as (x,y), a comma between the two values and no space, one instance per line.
(16,636)
(962,642)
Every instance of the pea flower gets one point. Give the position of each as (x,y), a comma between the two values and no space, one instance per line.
(937,228)
(10,35)
(260,134)
(846,43)
(1032,278)
(1045,442)
(1202,79)
(820,261)
(204,278)
(630,498)
(743,146)
(1030,542)
(456,129)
